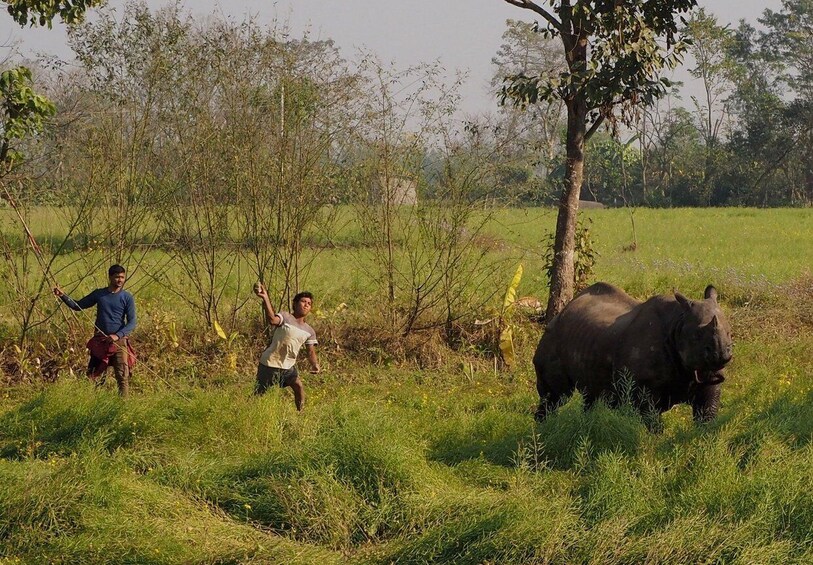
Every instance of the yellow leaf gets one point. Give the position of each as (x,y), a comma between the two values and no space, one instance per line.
(173,334)
(219,330)
(511,293)
(507,346)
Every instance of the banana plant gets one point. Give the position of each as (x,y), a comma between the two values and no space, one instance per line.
(173,335)
(506,328)
(228,339)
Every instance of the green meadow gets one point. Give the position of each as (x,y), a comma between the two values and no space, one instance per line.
(743,251)
(404,461)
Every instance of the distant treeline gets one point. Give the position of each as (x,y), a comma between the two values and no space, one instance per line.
(747,139)
(164,109)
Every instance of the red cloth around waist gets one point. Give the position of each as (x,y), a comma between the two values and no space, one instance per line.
(101,348)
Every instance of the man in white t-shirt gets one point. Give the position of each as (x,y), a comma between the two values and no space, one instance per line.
(278,362)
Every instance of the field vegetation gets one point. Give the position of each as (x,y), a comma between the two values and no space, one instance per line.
(207,155)
(425,451)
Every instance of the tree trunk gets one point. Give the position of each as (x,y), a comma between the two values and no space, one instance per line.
(807,188)
(564,246)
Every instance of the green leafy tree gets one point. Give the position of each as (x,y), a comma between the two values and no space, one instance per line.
(24,111)
(714,70)
(788,42)
(615,52)
(757,144)
(672,153)
(771,147)
(612,174)
(43,12)
(535,133)
(787,38)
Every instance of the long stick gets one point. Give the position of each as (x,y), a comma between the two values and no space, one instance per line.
(31,240)
(40,260)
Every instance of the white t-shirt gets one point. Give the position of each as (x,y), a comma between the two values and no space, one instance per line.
(286,342)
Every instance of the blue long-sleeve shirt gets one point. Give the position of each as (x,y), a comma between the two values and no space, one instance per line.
(115,311)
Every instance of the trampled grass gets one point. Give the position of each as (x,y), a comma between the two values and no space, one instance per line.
(392,464)
(406,471)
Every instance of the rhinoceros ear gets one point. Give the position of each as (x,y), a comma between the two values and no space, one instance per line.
(683,300)
(710,292)
(714,324)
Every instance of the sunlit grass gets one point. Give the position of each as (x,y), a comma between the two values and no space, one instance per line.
(743,251)
(398,470)
(396,464)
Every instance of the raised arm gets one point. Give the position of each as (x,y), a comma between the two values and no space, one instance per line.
(272,317)
(86,302)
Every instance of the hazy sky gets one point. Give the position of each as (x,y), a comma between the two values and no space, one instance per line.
(462,34)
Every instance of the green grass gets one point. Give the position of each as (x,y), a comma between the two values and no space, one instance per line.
(391,464)
(406,467)
(689,248)
(745,250)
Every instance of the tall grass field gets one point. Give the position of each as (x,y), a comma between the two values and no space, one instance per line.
(410,462)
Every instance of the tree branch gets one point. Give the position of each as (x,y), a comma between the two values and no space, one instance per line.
(593,128)
(528,5)
(778,161)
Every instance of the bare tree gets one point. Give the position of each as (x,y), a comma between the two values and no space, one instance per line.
(418,180)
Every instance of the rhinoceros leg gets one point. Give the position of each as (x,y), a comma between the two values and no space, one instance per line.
(551,384)
(544,396)
(706,403)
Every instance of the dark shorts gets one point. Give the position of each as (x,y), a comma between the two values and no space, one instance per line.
(273,376)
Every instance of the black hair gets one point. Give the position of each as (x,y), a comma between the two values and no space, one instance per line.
(115,270)
(299,296)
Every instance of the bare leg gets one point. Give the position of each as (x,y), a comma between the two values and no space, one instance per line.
(299,393)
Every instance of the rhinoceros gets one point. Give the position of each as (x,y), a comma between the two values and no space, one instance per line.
(673,348)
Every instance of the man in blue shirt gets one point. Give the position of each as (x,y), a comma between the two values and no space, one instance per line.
(115,320)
